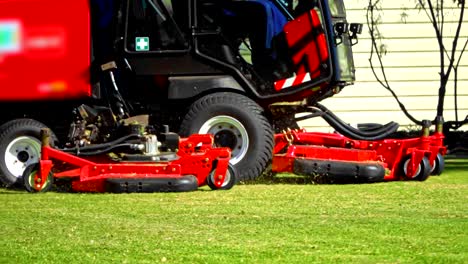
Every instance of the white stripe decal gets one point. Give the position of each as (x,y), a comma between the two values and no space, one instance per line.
(289,82)
(306,78)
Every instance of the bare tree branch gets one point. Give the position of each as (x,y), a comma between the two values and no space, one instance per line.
(374,49)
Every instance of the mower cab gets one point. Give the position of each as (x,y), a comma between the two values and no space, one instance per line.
(271,50)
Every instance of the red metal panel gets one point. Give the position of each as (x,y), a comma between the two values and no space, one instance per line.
(44,49)
(306,40)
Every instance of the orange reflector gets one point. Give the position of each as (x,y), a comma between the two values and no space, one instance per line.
(52,87)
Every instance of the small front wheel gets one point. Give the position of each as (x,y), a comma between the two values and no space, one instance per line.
(439,165)
(422,172)
(229,179)
(32,183)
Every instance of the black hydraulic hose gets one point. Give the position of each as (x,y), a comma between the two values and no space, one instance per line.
(391,126)
(103,151)
(100,146)
(356,134)
(353,133)
(369,126)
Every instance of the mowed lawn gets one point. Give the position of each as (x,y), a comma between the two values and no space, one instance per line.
(394,222)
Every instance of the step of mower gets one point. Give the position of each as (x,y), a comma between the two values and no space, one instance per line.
(145,185)
(339,171)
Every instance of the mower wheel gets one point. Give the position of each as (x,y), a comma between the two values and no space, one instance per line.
(29,183)
(20,146)
(423,171)
(439,165)
(229,179)
(236,122)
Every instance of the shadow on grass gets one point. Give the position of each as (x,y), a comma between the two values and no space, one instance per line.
(293,179)
(451,165)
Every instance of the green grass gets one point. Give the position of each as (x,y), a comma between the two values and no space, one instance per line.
(394,222)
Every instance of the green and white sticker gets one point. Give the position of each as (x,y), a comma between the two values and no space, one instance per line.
(142,44)
(10,36)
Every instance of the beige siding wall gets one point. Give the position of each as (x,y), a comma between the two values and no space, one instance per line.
(412,66)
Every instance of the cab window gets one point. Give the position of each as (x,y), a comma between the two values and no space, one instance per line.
(151,27)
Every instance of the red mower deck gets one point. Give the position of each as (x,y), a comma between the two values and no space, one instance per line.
(336,158)
(195,164)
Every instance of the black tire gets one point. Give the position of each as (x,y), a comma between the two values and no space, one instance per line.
(229,180)
(236,122)
(28,179)
(439,165)
(422,173)
(20,146)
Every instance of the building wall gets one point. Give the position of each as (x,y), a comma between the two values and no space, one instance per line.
(412,66)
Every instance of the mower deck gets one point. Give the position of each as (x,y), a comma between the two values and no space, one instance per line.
(197,163)
(336,158)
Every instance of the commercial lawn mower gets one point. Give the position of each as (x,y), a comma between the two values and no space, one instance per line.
(238,70)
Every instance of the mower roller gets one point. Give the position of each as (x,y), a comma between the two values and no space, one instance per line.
(196,163)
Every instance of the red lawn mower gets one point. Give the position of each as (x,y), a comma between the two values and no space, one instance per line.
(238,70)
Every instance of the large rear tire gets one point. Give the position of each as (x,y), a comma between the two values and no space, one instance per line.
(20,146)
(236,122)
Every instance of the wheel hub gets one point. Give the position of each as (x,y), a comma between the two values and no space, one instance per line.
(226,138)
(23,156)
(228,132)
(21,152)
(415,174)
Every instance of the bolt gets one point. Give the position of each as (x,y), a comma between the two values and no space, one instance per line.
(207,159)
(189,145)
(173,169)
(220,177)
(110,167)
(94,168)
